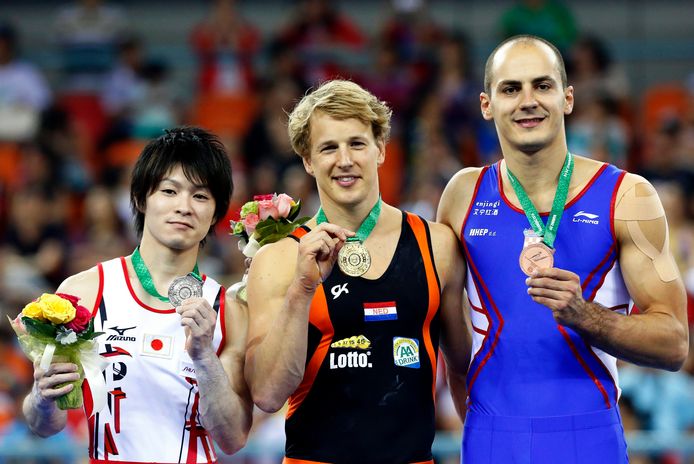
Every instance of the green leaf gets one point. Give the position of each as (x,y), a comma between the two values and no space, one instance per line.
(36,327)
(294,211)
(90,336)
(301,221)
(88,333)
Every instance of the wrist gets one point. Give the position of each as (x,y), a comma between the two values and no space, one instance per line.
(41,405)
(302,287)
(205,356)
(589,318)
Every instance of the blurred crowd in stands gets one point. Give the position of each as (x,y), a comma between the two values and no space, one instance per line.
(66,147)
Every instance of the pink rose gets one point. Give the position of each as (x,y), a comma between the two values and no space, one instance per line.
(284,204)
(266,209)
(81,320)
(262,197)
(249,222)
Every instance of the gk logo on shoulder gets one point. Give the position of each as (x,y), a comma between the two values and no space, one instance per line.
(406,352)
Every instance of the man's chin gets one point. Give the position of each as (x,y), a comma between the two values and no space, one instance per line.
(530,147)
(179,245)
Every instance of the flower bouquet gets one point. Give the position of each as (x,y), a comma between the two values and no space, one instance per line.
(266,219)
(55,328)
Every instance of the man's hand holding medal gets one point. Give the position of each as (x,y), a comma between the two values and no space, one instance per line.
(197,316)
(318,252)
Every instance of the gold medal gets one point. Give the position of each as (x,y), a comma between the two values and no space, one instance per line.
(536,256)
(354,259)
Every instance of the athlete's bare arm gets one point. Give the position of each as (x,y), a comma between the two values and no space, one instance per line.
(658,335)
(456,340)
(456,327)
(281,285)
(39,408)
(225,404)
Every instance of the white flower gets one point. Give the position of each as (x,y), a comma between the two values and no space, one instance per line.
(251,247)
(67,337)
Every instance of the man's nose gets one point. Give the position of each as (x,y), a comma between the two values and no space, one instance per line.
(183,206)
(528,100)
(344,156)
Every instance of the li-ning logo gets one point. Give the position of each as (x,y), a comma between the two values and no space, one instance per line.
(121,337)
(586,218)
(338,290)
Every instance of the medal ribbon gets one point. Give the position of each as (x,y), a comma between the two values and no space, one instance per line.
(549,232)
(145,277)
(366,226)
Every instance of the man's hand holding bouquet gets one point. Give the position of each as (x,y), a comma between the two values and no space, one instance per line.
(266,219)
(55,328)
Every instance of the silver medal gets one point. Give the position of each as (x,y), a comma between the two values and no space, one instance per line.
(184,287)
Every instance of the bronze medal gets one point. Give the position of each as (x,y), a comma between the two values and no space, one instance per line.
(184,287)
(354,259)
(536,256)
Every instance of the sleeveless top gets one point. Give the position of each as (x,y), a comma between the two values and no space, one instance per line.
(151,413)
(524,363)
(368,390)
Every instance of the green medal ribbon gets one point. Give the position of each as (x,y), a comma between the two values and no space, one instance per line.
(549,232)
(145,277)
(366,226)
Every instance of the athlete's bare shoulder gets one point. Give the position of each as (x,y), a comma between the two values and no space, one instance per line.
(274,264)
(457,196)
(630,180)
(84,285)
(584,170)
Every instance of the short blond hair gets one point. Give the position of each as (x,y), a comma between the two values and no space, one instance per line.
(339,99)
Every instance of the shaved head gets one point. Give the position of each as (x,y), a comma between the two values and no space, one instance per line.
(522,40)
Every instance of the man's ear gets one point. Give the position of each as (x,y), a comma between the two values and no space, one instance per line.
(139,207)
(381,152)
(569,100)
(307,165)
(486,106)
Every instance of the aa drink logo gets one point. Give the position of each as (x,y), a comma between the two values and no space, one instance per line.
(406,352)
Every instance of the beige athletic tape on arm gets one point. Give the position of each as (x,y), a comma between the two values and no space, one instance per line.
(633,209)
(639,208)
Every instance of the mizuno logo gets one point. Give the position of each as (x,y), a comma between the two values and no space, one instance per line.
(120,338)
(586,218)
(120,331)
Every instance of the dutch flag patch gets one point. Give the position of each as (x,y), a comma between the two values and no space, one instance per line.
(384,311)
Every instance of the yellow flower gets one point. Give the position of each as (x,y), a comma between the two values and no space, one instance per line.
(34,310)
(56,309)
